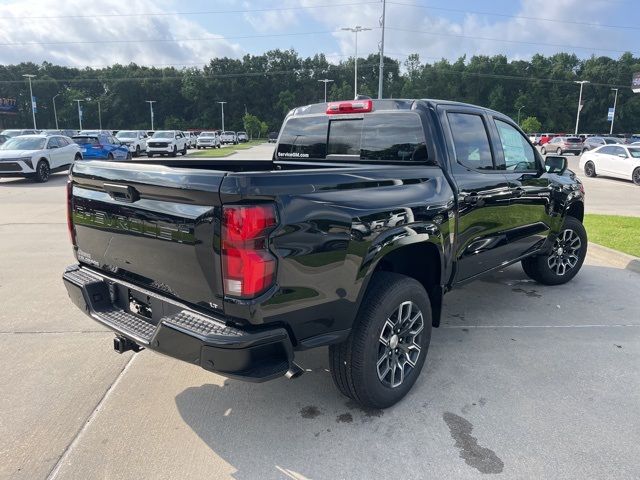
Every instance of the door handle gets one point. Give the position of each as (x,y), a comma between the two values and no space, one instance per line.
(518,192)
(471,199)
(124,193)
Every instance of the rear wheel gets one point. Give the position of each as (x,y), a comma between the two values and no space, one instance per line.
(77,157)
(129,157)
(137,154)
(110,156)
(184,150)
(43,172)
(564,260)
(590,169)
(382,357)
(635,176)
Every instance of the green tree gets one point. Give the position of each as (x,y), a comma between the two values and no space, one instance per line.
(252,125)
(531,125)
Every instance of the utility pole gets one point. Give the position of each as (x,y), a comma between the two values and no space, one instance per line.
(99,115)
(381,70)
(151,102)
(33,104)
(519,114)
(581,82)
(79,113)
(55,112)
(222,105)
(615,102)
(357,29)
(325,81)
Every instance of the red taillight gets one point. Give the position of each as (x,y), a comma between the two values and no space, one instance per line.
(355,106)
(248,268)
(70,227)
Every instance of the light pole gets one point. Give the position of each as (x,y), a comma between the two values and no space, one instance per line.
(519,114)
(151,102)
(615,101)
(79,113)
(381,69)
(581,82)
(325,81)
(55,112)
(33,106)
(222,105)
(99,115)
(357,29)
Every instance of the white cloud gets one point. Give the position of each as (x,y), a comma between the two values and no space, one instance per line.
(100,29)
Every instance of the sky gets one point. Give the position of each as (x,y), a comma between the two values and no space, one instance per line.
(168,32)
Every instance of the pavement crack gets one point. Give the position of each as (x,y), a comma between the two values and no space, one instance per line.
(92,416)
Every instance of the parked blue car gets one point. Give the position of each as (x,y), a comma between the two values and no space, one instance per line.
(101,146)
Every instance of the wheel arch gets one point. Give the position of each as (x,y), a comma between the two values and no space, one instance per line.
(576,210)
(421,260)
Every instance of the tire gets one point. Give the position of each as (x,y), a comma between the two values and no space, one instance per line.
(590,169)
(43,172)
(358,364)
(559,151)
(110,156)
(556,267)
(184,151)
(149,155)
(175,151)
(77,157)
(543,151)
(137,153)
(129,156)
(635,176)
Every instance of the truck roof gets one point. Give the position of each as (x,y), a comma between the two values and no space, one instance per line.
(390,104)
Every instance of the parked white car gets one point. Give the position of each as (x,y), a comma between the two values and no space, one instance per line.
(242,137)
(37,156)
(621,161)
(167,142)
(191,139)
(135,140)
(15,133)
(208,140)
(228,137)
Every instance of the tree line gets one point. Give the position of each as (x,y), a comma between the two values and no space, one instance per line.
(267,86)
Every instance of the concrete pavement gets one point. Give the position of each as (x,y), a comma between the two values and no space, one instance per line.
(522,381)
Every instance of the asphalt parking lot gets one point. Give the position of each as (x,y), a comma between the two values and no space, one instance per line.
(522,381)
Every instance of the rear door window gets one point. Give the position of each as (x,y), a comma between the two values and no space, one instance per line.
(471,141)
(518,153)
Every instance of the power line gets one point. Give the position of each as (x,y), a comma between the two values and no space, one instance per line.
(520,42)
(522,17)
(201,12)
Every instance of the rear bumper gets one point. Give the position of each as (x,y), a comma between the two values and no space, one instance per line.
(176,330)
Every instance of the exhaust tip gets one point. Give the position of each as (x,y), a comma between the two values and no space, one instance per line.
(294,371)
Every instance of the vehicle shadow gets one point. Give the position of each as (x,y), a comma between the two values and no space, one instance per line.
(55,180)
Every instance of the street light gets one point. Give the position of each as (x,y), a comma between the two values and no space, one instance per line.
(581,82)
(615,101)
(325,81)
(151,102)
(519,114)
(357,29)
(222,105)
(79,113)
(55,112)
(33,106)
(99,115)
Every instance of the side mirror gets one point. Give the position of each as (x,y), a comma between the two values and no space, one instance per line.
(555,164)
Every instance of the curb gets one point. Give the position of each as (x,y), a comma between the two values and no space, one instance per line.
(614,257)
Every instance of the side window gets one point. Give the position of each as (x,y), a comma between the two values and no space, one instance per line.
(619,151)
(471,141)
(607,150)
(518,153)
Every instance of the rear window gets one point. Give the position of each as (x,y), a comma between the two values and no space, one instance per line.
(85,140)
(392,137)
(573,140)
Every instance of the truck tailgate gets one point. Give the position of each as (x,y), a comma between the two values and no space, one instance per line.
(152,225)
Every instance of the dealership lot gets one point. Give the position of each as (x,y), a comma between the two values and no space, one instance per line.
(520,381)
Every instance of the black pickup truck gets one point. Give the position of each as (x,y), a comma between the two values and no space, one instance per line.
(367,214)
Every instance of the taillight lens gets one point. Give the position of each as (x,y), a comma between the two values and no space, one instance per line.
(355,106)
(70,227)
(248,268)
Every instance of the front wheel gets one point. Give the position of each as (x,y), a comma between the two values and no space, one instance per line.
(543,151)
(382,358)
(564,260)
(184,151)
(149,155)
(590,169)
(43,172)
(635,176)
(137,154)
(559,151)
(175,151)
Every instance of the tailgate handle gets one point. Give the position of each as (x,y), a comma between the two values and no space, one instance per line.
(124,193)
